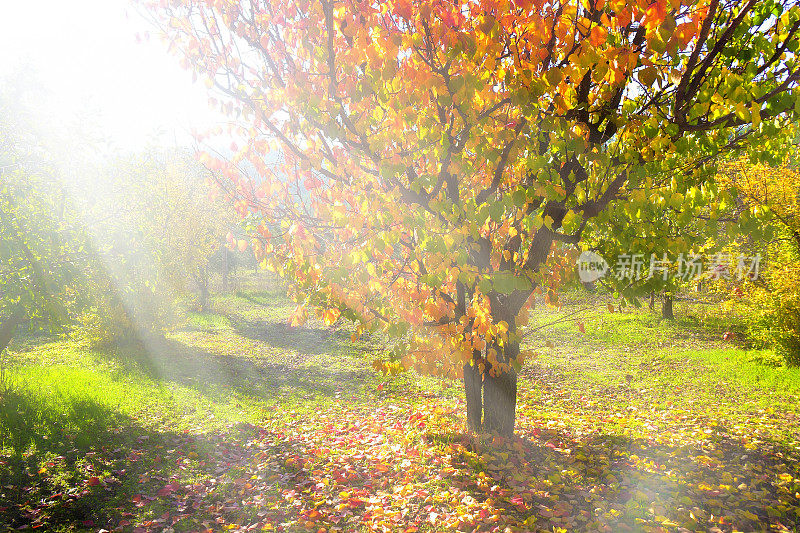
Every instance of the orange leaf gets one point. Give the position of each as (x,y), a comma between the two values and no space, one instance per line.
(404,9)
(598,36)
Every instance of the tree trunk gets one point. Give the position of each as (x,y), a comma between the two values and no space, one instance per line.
(473,385)
(225,269)
(500,402)
(7,329)
(204,298)
(652,300)
(9,326)
(666,308)
(202,283)
(500,395)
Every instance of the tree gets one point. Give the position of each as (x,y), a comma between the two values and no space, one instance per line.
(770,195)
(434,151)
(42,245)
(665,247)
(41,257)
(156,231)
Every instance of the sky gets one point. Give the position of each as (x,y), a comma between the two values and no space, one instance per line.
(86,54)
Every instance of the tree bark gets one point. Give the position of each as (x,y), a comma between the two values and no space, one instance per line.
(500,395)
(473,387)
(225,269)
(500,402)
(202,283)
(666,308)
(9,326)
(7,329)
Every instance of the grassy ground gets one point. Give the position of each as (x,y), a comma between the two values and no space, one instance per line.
(237,421)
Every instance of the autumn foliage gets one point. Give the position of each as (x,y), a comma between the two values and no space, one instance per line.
(409,164)
(770,194)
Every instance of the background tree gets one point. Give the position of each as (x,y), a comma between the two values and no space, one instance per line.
(769,302)
(674,241)
(156,230)
(42,244)
(41,257)
(435,151)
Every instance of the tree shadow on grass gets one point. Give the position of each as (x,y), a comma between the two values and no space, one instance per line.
(217,375)
(310,339)
(69,462)
(614,483)
(75,464)
(298,339)
(302,340)
(264,298)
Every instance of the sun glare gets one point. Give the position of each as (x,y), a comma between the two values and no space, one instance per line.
(97,60)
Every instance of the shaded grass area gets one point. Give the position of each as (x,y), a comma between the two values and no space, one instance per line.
(237,421)
(80,443)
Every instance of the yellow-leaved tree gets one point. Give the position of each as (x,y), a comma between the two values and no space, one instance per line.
(771,300)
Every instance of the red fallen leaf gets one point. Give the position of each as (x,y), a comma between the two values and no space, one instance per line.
(167,490)
(380,387)
(728,335)
(355,502)
(518,501)
(581,327)
(93,481)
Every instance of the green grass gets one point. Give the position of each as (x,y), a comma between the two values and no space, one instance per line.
(210,321)
(181,427)
(757,370)
(62,402)
(633,360)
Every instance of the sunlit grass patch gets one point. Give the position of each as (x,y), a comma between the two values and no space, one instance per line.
(768,383)
(207,320)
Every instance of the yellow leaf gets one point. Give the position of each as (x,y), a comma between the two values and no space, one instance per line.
(647,76)
(755,114)
(330,316)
